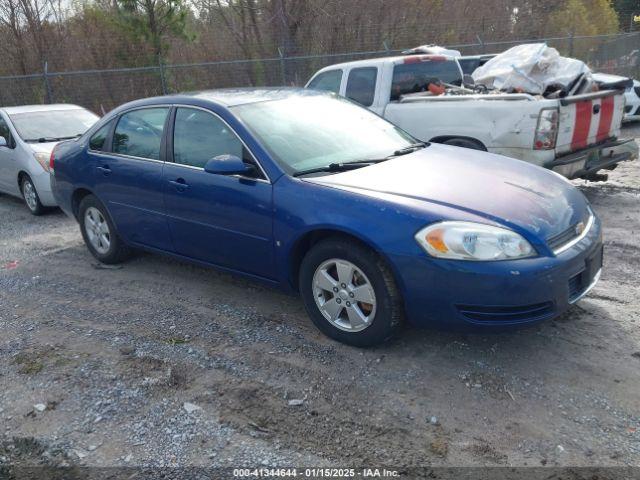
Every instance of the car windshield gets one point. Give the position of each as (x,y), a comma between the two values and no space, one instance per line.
(308,132)
(52,125)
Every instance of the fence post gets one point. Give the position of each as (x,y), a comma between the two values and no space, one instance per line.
(163,83)
(571,35)
(47,85)
(481,43)
(283,70)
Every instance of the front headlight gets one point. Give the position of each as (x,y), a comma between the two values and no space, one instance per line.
(43,160)
(473,241)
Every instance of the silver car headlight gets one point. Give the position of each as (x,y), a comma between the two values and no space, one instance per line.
(43,160)
(473,241)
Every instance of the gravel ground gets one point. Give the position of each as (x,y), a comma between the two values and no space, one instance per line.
(160,363)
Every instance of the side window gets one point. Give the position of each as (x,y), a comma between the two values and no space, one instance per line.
(415,76)
(327,81)
(139,133)
(6,133)
(97,141)
(361,85)
(198,136)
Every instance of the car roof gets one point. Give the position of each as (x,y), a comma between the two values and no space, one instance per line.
(39,108)
(240,96)
(378,60)
(229,97)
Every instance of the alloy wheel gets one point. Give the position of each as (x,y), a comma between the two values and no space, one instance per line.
(30,196)
(344,295)
(97,230)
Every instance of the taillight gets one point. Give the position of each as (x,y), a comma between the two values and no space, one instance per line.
(52,159)
(546,130)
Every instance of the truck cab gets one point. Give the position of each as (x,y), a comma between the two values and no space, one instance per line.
(374,83)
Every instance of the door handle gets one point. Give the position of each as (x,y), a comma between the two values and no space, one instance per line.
(104,170)
(180,184)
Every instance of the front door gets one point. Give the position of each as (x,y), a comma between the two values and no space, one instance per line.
(219,219)
(128,175)
(8,161)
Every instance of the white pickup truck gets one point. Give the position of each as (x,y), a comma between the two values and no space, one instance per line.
(575,136)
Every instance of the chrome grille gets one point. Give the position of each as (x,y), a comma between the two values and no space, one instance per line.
(563,240)
(563,237)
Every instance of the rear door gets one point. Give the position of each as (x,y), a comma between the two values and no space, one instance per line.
(361,87)
(128,174)
(589,119)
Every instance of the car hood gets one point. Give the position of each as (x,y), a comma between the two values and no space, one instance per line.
(500,189)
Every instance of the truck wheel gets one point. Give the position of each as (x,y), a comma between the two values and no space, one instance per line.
(350,293)
(465,143)
(99,233)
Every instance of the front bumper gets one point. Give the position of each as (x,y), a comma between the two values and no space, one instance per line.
(590,160)
(492,295)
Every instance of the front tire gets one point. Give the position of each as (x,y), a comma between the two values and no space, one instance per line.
(99,233)
(350,293)
(30,196)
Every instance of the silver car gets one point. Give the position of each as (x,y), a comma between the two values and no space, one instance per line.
(28,135)
(631,95)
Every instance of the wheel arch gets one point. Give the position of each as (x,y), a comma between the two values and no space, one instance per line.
(306,241)
(76,198)
(21,175)
(444,138)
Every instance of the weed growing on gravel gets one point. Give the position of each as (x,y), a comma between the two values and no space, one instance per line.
(29,363)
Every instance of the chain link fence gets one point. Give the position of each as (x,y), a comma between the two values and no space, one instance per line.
(102,90)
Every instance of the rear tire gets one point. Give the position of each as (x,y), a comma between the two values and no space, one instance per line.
(99,233)
(350,293)
(30,196)
(465,143)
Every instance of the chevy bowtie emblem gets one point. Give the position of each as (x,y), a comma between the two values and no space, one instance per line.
(579,228)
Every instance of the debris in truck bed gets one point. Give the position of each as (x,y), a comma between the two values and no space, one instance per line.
(432,50)
(536,69)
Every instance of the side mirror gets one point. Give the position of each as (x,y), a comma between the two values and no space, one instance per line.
(228,165)
(3,142)
(468,81)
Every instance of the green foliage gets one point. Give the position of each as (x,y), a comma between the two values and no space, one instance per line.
(584,17)
(627,10)
(154,21)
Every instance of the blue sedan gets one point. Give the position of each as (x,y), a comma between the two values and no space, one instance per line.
(312,193)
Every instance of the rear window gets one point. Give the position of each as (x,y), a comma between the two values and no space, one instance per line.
(469,65)
(52,125)
(361,85)
(139,133)
(327,81)
(414,77)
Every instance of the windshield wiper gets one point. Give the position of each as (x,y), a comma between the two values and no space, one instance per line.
(337,167)
(341,167)
(410,149)
(51,139)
